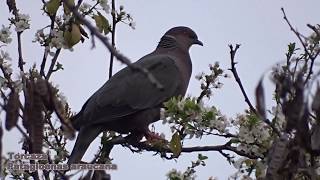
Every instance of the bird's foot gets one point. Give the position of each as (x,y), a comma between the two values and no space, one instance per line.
(134,138)
(154,137)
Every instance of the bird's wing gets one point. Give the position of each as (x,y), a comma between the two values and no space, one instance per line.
(130,91)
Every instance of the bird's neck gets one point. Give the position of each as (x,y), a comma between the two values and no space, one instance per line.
(168,42)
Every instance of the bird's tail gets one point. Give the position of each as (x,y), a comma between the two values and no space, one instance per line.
(85,137)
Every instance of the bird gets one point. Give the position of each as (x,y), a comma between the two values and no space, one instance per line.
(128,102)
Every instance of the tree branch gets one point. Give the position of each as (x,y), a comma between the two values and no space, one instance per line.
(21,62)
(53,62)
(46,49)
(163,149)
(233,69)
(310,55)
(113,36)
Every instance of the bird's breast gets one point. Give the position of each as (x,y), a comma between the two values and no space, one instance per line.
(185,67)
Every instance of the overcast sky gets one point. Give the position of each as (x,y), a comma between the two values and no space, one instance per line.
(256,24)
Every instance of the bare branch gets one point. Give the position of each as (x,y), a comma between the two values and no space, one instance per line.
(21,62)
(233,69)
(307,52)
(295,32)
(113,35)
(46,49)
(12,8)
(53,63)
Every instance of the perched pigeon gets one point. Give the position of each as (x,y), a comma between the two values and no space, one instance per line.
(128,102)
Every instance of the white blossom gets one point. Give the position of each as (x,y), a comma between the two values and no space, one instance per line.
(243,147)
(255,150)
(5,34)
(7,67)
(261,132)
(221,123)
(105,6)
(5,56)
(40,37)
(57,39)
(245,135)
(174,174)
(238,163)
(22,22)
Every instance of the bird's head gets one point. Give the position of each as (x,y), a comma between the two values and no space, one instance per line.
(184,37)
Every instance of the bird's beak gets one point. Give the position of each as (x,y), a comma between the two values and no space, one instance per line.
(198,42)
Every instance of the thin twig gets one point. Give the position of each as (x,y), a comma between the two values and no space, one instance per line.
(295,32)
(12,8)
(233,69)
(46,49)
(53,63)
(21,62)
(311,57)
(115,52)
(113,36)
(204,91)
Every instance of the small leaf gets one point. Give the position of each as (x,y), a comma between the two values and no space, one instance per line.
(291,48)
(175,144)
(72,37)
(52,6)
(102,23)
(59,66)
(202,157)
(65,6)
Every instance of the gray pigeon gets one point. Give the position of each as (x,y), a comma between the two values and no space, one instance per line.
(128,102)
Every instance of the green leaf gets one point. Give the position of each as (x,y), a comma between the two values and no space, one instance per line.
(175,144)
(202,157)
(191,104)
(253,119)
(65,7)
(59,66)
(210,115)
(291,48)
(102,23)
(52,6)
(72,37)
